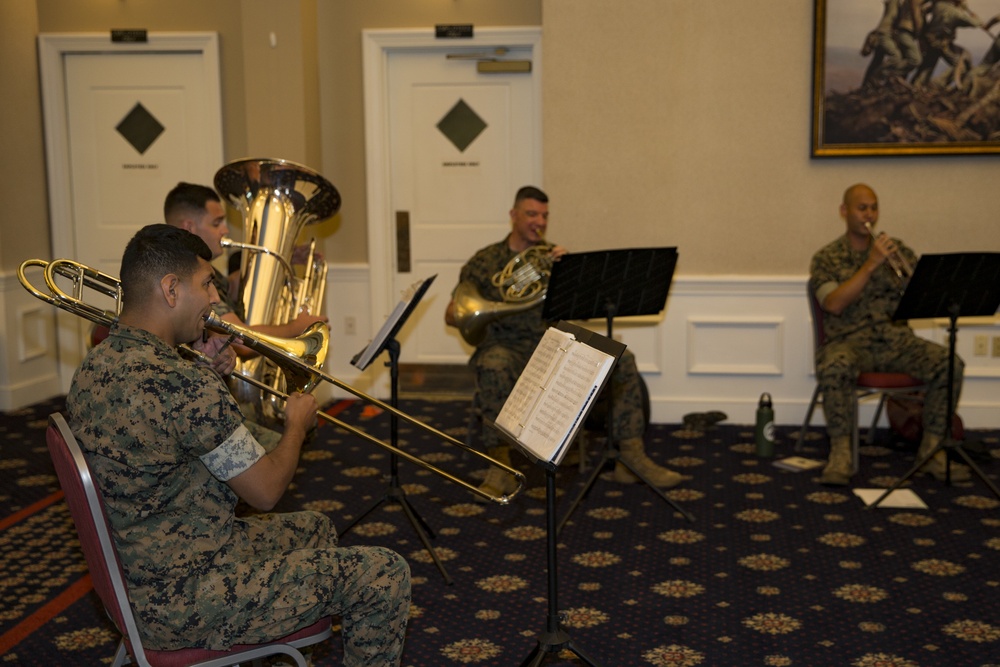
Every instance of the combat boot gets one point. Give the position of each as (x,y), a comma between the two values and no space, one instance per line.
(839,466)
(634,454)
(497,482)
(938,464)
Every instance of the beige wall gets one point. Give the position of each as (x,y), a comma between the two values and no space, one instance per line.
(341,91)
(696,133)
(24,225)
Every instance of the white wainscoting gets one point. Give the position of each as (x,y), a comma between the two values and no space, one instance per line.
(720,343)
(29,356)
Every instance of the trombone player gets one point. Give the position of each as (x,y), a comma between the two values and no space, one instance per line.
(172,454)
(858,280)
(509,341)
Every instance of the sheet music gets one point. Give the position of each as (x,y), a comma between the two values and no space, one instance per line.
(528,390)
(553,394)
(409,298)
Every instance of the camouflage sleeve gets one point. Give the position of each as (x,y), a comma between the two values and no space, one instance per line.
(822,274)
(202,413)
(480,268)
(234,456)
(265,436)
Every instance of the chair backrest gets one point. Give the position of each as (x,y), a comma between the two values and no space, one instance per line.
(87,509)
(816,311)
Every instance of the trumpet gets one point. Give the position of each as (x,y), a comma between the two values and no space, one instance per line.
(286,353)
(897,262)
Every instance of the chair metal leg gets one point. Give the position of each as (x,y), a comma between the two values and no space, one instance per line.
(870,436)
(808,419)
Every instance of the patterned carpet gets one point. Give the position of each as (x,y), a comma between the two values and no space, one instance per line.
(774,570)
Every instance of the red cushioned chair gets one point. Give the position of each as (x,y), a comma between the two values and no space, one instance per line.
(87,508)
(900,385)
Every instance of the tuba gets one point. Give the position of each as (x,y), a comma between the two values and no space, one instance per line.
(521,286)
(276,199)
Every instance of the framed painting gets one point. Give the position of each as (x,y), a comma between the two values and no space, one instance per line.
(906,77)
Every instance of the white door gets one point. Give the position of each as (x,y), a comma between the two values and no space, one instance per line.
(135,131)
(136,122)
(459,144)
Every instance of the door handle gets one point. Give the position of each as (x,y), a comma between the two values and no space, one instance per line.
(403,241)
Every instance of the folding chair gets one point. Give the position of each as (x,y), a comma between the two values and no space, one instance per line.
(868,384)
(87,509)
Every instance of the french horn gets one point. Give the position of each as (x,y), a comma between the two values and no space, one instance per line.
(521,286)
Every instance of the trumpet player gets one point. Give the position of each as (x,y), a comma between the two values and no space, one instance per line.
(172,454)
(856,280)
(509,342)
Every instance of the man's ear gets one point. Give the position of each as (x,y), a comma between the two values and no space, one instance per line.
(187,224)
(168,287)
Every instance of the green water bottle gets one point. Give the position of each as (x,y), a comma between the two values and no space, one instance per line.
(764,431)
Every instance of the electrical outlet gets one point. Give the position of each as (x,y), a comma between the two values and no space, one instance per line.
(981,345)
(350,325)
(996,346)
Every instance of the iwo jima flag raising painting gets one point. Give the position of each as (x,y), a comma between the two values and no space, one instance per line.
(906,77)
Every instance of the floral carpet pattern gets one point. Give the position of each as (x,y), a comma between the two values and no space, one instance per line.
(774,570)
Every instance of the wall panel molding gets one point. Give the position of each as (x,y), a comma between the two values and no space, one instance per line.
(719,344)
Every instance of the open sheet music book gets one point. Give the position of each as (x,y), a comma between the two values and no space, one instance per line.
(409,300)
(556,390)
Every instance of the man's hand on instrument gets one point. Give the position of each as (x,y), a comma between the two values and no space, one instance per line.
(557,251)
(219,350)
(882,246)
(300,411)
(305,320)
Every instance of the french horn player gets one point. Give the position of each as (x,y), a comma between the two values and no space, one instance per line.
(496,306)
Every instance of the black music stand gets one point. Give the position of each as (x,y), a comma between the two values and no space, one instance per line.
(609,284)
(554,639)
(385,339)
(952,285)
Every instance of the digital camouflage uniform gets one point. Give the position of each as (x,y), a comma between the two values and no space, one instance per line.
(864,338)
(509,342)
(162,435)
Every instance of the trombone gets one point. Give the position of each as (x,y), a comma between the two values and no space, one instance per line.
(283,352)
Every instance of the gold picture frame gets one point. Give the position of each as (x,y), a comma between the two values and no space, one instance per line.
(870,99)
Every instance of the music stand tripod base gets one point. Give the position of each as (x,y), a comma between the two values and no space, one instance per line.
(554,639)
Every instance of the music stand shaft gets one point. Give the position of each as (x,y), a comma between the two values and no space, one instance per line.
(554,639)
(395,493)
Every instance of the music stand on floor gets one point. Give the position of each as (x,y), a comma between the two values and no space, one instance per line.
(555,639)
(385,340)
(609,284)
(951,285)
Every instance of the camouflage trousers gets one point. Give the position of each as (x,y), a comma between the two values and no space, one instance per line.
(290,573)
(838,365)
(497,370)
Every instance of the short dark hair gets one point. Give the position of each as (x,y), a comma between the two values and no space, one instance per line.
(530,192)
(155,251)
(187,198)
